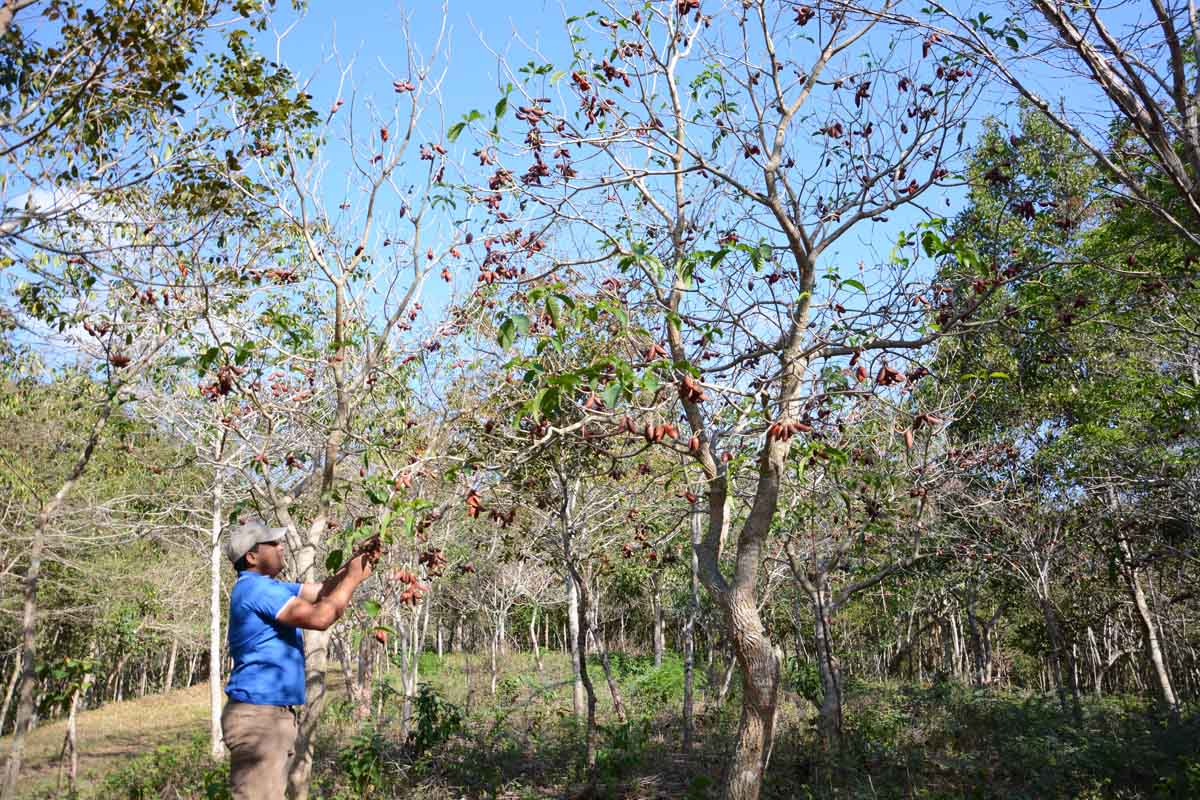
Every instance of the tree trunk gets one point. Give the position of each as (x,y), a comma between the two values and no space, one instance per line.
(577,692)
(493,647)
(169,680)
(28,676)
(589,747)
(760,689)
(613,689)
(316,660)
(502,633)
(468,675)
(659,639)
(316,647)
(413,676)
(689,636)
(829,668)
(360,684)
(69,754)
(1166,691)
(726,679)
(8,692)
(533,639)
(216,696)
(1063,667)
(71,740)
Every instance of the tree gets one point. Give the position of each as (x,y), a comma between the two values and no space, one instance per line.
(1100,350)
(1148,137)
(718,156)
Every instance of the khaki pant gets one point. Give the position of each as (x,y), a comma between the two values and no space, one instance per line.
(261,742)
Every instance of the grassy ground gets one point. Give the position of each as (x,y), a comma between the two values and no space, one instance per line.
(901,741)
(113,735)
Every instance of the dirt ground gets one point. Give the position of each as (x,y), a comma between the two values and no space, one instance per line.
(111,735)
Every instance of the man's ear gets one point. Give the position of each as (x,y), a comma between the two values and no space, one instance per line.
(252,556)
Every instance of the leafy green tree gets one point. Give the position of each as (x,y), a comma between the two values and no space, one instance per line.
(1097,351)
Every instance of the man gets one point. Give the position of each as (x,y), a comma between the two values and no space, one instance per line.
(266,687)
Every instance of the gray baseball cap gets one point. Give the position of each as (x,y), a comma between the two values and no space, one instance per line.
(242,538)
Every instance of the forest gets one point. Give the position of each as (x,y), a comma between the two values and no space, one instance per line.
(753,398)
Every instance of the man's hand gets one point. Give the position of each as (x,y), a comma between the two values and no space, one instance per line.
(366,556)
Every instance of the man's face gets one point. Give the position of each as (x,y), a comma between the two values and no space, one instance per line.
(267,558)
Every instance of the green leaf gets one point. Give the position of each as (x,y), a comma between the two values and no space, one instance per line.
(535,405)
(455,130)
(501,107)
(334,560)
(507,334)
(372,608)
(853,284)
(610,394)
(376,495)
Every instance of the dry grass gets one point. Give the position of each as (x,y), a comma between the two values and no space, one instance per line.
(112,735)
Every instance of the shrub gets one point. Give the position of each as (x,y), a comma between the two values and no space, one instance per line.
(185,770)
(361,762)
(437,719)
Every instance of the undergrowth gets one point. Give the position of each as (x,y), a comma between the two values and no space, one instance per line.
(900,741)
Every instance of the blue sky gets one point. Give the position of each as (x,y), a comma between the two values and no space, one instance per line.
(371,33)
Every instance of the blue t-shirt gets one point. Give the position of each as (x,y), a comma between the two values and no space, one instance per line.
(268,656)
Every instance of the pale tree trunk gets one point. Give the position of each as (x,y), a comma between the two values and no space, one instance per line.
(69,754)
(494,652)
(468,675)
(216,696)
(316,661)
(827,665)
(659,638)
(1154,654)
(689,635)
(316,646)
(533,639)
(577,693)
(71,740)
(169,680)
(589,748)
(412,668)
(502,632)
(613,689)
(360,684)
(727,678)
(28,677)
(8,692)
